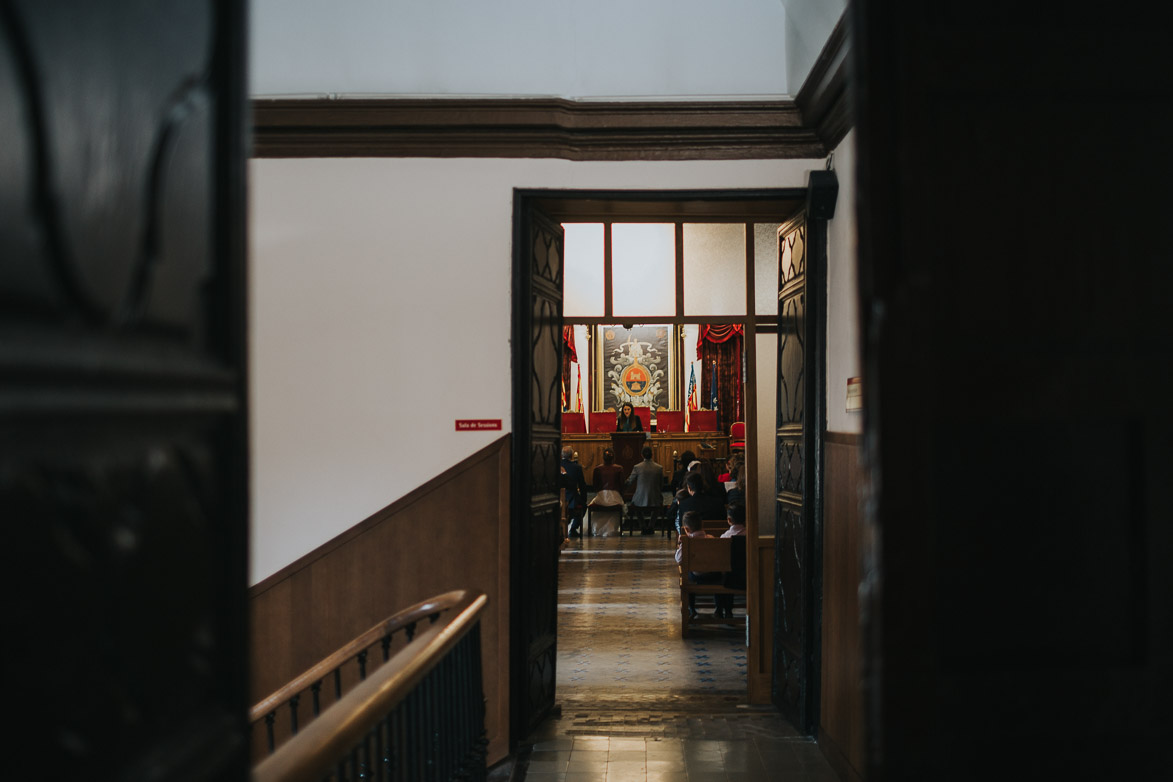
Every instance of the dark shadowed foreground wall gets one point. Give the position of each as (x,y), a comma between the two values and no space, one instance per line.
(1015,269)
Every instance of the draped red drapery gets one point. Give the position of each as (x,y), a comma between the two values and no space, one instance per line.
(569,354)
(722,344)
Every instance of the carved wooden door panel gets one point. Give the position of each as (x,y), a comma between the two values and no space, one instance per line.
(123,459)
(802,248)
(792,550)
(537,533)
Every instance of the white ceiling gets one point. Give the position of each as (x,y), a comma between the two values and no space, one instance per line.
(603,49)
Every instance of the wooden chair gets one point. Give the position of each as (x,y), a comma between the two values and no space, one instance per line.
(573,423)
(602,423)
(702,421)
(639,518)
(590,524)
(669,421)
(737,435)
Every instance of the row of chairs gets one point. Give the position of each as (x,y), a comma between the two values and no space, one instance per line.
(666,421)
(634,520)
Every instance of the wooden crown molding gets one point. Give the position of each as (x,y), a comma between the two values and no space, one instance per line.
(824,98)
(532,128)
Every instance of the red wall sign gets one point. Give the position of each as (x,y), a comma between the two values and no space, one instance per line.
(478,424)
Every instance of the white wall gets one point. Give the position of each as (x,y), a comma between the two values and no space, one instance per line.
(605,48)
(843,349)
(808,24)
(380,313)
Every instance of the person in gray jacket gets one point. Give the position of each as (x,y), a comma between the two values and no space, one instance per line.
(648,477)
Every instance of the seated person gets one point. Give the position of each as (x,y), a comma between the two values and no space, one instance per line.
(686,459)
(712,485)
(708,505)
(735,578)
(690,526)
(736,495)
(735,518)
(607,481)
(731,466)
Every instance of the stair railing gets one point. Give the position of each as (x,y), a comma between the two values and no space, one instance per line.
(417,716)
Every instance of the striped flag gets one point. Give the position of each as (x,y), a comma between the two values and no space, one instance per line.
(692,395)
(565,407)
(578,391)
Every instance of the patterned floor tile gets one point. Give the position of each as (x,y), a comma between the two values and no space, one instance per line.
(637,701)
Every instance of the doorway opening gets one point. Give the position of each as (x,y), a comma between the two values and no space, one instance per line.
(541,278)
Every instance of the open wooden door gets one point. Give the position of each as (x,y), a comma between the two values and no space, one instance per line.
(123,452)
(802,244)
(536,534)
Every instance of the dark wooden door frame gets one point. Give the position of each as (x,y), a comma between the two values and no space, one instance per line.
(796,692)
(124,471)
(581,205)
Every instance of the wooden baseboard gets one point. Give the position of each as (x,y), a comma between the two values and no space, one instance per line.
(837,760)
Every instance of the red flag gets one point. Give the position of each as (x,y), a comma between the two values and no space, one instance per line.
(578,392)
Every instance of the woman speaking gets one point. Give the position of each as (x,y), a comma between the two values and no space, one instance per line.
(627,420)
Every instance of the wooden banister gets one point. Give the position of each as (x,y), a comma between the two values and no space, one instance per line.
(401,620)
(348,729)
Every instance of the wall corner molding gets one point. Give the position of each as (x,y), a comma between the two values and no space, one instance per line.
(824,98)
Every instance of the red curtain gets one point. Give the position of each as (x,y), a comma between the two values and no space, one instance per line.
(722,344)
(569,354)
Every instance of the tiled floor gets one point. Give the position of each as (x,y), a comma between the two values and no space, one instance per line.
(640,703)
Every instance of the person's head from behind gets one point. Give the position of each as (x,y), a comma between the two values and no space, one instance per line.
(647,452)
(567,452)
(687,458)
(690,521)
(608,456)
(695,483)
(627,410)
(735,515)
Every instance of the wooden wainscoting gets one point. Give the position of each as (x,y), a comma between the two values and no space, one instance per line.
(761,612)
(841,721)
(450,533)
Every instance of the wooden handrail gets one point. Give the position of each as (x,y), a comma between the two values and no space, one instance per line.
(312,753)
(393,624)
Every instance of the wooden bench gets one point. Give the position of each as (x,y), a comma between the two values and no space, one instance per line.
(705,555)
(714,527)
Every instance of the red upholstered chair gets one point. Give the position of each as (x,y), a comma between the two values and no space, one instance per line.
(670,421)
(702,421)
(737,435)
(645,416)
(603,422)
(573,423)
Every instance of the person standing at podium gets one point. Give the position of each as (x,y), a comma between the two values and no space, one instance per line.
(627,420)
